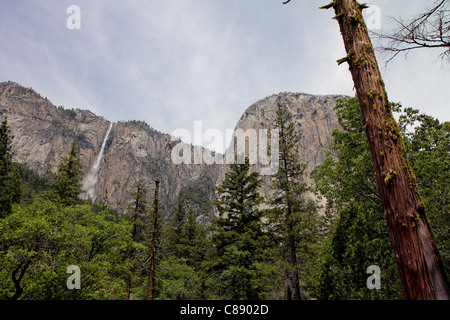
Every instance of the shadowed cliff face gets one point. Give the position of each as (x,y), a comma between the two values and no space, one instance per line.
(133,150)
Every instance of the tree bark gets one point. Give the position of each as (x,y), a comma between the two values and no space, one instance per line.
(128,288)
(293,285)
(16,280)
(292,259)
(151,277)
(419,264)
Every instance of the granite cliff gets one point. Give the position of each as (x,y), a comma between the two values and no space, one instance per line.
(127,151)
(315,121)
(43,134)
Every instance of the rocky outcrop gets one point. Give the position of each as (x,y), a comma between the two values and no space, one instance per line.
(135,151)
(43,134)
(315,120)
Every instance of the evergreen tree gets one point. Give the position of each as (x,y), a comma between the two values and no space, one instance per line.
(293,218)
(32,183)
(359,235)
(239,235)
(420,266)
(10,182)
(138,211)
(182,254)
(174,233)
(427,142)
(184,238)
(66,183)
(138,216)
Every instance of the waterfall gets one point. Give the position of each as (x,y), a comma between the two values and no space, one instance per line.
(91,179)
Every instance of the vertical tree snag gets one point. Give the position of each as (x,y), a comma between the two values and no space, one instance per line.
(419,264)
(151,278)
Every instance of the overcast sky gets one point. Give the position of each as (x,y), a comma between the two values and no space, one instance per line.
(172,62)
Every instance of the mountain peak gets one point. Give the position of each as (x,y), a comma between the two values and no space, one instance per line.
(132,150)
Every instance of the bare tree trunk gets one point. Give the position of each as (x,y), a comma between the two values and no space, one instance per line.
(292,259)
(419,264)
(16,280)
(128,288)
(151,278)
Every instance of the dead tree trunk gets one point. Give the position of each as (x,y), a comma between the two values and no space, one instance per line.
(419,264)
(151,278)
(294,286)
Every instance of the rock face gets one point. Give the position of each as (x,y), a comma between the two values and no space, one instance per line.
(315,121)
(133,150)
(43,135)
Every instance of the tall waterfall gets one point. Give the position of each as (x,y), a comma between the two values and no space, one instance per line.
(91,179)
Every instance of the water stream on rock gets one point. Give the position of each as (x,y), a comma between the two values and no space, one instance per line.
(91,179)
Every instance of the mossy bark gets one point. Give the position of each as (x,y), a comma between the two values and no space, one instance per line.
(419,264)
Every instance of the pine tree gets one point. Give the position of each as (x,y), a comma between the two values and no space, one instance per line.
(182,254)
(238,232)
(137,211)
(293,217)
(418,260)
(10,182)
(175,228)
(183,236)
(238,198)
(66,183)
(358,235)
(138,216)
(194,244)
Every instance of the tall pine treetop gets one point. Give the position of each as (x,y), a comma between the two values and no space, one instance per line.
(67,181)
(10,182)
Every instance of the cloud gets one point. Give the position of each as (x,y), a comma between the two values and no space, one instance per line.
(173,62)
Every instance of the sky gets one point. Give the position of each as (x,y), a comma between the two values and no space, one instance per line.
(170,63)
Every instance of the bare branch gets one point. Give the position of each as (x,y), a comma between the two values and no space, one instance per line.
(427,30)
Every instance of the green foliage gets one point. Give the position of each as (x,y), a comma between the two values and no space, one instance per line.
(138,212)
(184,237)
(198,195)
(246,253)
(293,219)
(182,252)
(350,174)
(238,236)
(10,182)
(427,143)
(69,113)
(138,252)
(44,238)
(32,183)
(238,198)
(180,280)
(66,185)
(357,233)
